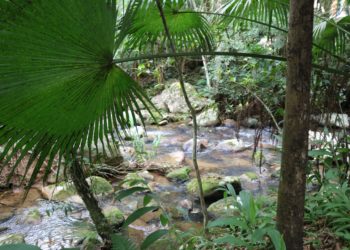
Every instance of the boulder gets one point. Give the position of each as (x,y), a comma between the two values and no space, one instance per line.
(180,174)
(99,185)
(210,185)
(114,216)
(59,192)
(230,123)
(234,145)
(201,145)
(64,191)
(171,99)
(11,239)
(250,176)
(133,180)
(224,207)
(209,117)
(250,122)
(178,157)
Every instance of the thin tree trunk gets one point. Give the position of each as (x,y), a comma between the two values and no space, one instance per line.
(193,114)
(102,226)
(291,194)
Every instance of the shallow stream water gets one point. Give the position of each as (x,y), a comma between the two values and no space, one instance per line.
(57,229)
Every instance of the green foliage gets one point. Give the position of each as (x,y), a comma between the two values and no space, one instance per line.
(142,153)
(330,206)
(188,30)
(120,242)
(60,90)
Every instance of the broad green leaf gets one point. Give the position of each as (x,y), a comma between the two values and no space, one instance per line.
(164,220)
(146,200)
(276,238)
(152,238)
(120,242)
(138,214)
(60,89)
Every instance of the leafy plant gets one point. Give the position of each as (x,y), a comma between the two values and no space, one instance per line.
(330,206)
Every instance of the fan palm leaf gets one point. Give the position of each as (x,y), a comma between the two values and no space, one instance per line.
(189,31)
(267,11)
(60,90)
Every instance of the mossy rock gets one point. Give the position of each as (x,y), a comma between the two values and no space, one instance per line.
(33,217)
(210,187)
(251,176)
(11,239)
(91,244)
(99,185)
(114,215)
(133,180)
(223,207)
(181,174)
(59,192)
(209,184)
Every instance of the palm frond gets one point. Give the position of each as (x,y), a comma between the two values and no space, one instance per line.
(333,34)
(189,31)
(59,87)
(267,11)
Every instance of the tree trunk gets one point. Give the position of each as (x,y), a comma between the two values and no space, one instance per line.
(291,194)
(102,226)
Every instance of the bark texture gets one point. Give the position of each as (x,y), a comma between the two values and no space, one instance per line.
(291,194)
(102,226)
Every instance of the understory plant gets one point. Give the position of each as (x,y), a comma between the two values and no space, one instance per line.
(327,212)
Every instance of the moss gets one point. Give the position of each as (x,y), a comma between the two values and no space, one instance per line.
(114,215)
(99,185)
(11,239)
(223,207)
(209,185)
(251,175)
(133,179)
(180,174)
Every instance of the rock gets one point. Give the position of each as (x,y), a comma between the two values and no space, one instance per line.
(230,123)
(133,180)
(186,204)
(250,176)
(114,216)
(210,185)
(65,191)
(201,145)
(224,207)
(11,239)
(33,217)
(59,192)
(171,99)
(146,175)
(333,119)
(250,122)
(177,157)
(180,174)
(6,214)
(3,229)
(99,185)
(209,117)
(232,145)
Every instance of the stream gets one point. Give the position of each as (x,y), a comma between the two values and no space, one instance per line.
(63,225)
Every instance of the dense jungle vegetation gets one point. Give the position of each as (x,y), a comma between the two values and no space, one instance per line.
(174,124)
